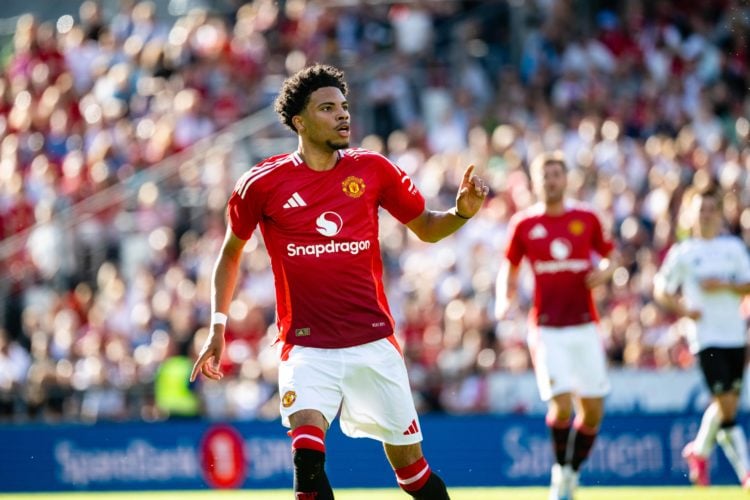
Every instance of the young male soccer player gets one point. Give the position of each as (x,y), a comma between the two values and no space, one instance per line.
(704,279)
(558,237)
(317,209)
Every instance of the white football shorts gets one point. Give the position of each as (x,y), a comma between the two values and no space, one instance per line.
(368,383)
(569,359)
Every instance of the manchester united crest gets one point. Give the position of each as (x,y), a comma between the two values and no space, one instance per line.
(353,186)
(576,227)
(288,399)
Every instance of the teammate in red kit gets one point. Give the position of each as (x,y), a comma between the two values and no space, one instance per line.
(558,236)
(317,209)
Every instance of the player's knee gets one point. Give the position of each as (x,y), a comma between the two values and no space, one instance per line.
(558,415)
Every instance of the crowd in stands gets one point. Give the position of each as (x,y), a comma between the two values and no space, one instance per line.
(645,98)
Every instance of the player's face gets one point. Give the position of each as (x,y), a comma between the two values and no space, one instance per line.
(325,119)
(708,212)
(550,182)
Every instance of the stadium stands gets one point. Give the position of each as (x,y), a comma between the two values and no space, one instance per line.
(114,171)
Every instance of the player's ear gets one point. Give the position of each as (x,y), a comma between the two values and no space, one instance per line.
(299,124)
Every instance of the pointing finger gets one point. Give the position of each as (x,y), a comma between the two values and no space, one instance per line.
(467,174)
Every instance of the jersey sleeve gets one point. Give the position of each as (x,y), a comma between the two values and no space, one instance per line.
(670,275)
(243,210)
(514,249)
(399,195)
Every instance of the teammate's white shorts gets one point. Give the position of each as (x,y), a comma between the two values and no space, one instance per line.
(569,359)
(368,382)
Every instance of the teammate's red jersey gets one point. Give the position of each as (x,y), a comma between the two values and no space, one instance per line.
(321,233)
(559,249)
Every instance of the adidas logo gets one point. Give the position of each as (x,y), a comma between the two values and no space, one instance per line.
(537,232)
(413,428)
(295,201)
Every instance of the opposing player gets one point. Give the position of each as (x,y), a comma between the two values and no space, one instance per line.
(317,209)
(558,237)
(703,278)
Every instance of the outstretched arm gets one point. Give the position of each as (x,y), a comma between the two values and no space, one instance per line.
(434,226)
(223,283)
(719,285)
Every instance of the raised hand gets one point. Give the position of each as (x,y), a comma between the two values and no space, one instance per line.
(471,194)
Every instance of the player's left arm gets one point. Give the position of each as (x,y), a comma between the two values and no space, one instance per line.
(603,245)
(433,226)
(604,270)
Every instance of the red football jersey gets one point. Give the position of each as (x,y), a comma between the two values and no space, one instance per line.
(321,232)
(560,250)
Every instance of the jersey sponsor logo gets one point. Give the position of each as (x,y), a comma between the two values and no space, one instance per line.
(353,187)
(576,227)
(302,332)
(560,248)
(318,249)
(329,223)
(537,232)
(288,399)
(559,266)
(295,201)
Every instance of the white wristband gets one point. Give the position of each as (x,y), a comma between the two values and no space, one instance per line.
(219,319)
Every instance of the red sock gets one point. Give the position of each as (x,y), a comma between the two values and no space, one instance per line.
(309,437)
(412,477)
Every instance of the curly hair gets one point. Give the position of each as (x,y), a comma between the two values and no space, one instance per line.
(295,91)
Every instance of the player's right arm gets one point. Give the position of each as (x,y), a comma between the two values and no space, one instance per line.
(506,288)
(223,283)
(506,284)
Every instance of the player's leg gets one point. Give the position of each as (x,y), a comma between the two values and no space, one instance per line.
(552,368)
(378,404)
(591,384)
(413,473)
(589,414)
(559,411)
(309,454)
(730,436)
(697,451)
(705,439)
(310,397)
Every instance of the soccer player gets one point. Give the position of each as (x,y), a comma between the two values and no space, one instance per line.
(558,236)
(703,279)
(317,208)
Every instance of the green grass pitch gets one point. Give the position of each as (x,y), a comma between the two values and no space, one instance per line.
(584,493)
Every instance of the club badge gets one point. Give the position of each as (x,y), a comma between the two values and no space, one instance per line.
(353,186)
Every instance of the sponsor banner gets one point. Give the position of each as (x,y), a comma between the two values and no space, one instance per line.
(633,391)
(482,450)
